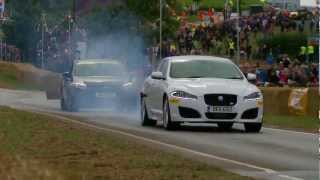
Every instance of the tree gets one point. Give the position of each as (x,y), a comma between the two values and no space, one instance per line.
(26,16)
(149,11)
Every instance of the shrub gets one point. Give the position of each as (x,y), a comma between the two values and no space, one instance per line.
(289,42)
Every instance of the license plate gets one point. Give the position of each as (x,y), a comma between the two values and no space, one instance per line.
(105,95)
(219,109)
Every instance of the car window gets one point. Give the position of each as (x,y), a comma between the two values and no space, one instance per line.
(98,69)
(163,67)
(204,69)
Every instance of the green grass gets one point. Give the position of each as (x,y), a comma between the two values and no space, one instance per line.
(307,124)
(42,147)
(8,77)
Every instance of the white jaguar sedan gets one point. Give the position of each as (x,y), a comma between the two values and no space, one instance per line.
(201,89)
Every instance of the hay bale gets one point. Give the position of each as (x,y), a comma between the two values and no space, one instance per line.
(276,101)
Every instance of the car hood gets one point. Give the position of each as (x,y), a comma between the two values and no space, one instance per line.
(214,86)
(100,80)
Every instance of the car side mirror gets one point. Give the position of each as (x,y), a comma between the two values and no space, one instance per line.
(67,76)
(252,77)
(158,76)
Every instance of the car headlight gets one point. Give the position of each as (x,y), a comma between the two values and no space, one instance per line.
(126,85)
(79,85)
(252,96)
(182,94)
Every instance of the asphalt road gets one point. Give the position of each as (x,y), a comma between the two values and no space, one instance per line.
(272,154)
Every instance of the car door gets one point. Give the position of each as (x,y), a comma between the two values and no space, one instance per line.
(147,92)
(151,92)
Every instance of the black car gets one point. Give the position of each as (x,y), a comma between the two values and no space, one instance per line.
(96,83)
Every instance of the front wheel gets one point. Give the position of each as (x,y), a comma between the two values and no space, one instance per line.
(63,105)
(167,123)
(145,120)
(253,127)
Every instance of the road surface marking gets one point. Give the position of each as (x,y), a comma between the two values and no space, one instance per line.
(289,177)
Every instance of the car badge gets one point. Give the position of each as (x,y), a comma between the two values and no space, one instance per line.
(220,98)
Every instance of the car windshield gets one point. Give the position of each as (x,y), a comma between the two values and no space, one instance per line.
(204,69)
(98,69)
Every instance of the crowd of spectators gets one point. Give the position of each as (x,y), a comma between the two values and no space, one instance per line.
(219,39)
(293,74)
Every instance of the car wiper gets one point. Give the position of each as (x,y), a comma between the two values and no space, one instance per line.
(195,77)
(234,78)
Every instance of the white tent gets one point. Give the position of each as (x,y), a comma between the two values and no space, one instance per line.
(309,3)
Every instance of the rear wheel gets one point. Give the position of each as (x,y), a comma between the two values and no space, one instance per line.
(71,104)
(63,104)
(74,106)
(253,127)
(145,120)
(225,126)
(167,123)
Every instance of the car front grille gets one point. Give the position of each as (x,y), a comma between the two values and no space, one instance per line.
(221,115)
(220,99)
(103,87)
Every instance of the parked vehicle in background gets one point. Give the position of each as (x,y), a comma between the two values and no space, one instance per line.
(201,89)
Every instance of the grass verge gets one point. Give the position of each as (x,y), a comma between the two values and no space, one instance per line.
(40,147)
(306,124)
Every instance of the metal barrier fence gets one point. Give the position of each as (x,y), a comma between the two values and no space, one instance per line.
(9,53)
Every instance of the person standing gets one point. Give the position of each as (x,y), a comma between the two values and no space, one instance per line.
(231,48)
(181,41)
(265,51)
(302,55)
(310,53)
(249,51)
(189,42)
(270,59)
